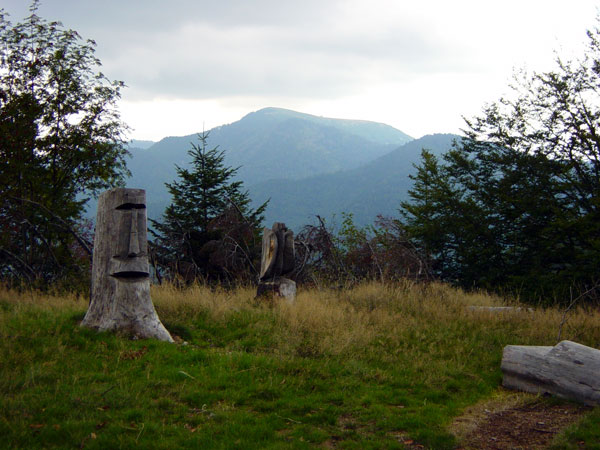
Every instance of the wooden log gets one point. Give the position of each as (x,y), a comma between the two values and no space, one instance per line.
(289,253)
(279,230)
(568,370)
(120,293)
(268,258)
(278,256)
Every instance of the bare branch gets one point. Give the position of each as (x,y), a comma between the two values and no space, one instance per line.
(21,262)
(84,243)
(571,305)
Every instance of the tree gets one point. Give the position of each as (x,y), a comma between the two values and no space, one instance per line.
(61,140)
(519,210)
(428,216)
(209,230)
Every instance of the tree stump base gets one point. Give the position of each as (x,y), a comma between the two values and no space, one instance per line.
(567,370)
(278,287)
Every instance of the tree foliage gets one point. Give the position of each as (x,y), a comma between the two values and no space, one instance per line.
(61,139)
(514,205)
(209,231)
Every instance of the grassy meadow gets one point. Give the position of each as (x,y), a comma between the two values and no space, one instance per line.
(374,366)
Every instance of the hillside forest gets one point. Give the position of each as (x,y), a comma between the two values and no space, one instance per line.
(511,206)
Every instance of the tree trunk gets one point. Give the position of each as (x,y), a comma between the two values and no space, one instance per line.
(120,295)
(568,370)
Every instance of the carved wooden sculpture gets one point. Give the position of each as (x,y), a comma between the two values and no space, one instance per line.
(120,298)
(277,260)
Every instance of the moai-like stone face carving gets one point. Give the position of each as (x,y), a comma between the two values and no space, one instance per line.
(120,294)
(129,259)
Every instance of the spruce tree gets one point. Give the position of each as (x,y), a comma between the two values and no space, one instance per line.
(209,230)
(428,217)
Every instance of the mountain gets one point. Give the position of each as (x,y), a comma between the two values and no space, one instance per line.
(371,131)
(137,144)
(375,188)
(272,143)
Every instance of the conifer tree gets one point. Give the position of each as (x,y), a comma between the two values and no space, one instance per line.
(209,230)
(428,215)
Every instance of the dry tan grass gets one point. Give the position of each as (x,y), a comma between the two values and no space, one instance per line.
(42,300)
(218,302)
(405,334)
(336,321)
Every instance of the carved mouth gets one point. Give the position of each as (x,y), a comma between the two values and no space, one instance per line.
(130,275)
(129,269)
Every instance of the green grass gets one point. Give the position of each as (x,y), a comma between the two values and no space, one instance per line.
(365,368)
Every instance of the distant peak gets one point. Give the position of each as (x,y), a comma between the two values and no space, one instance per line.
(271,109)
(372,131)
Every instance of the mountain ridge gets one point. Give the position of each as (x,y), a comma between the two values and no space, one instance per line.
(374,131)
(267,144)
(376,188)
(306,165)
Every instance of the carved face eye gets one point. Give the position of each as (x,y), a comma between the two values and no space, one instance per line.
(128,206)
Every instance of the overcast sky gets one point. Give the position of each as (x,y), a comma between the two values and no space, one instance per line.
(416,65)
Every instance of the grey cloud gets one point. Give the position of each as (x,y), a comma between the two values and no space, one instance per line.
(150,15)
(208,49)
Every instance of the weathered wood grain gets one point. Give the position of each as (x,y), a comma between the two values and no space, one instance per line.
(278,258)
(120,291)
(568,370)
(268,258)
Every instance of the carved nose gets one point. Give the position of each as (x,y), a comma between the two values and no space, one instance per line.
(134,243)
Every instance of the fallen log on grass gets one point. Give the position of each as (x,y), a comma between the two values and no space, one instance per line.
(567,370)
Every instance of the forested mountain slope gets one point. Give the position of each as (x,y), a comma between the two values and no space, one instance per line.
(267,144)
(375,188)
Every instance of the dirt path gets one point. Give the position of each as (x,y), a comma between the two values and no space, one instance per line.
(515,422)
